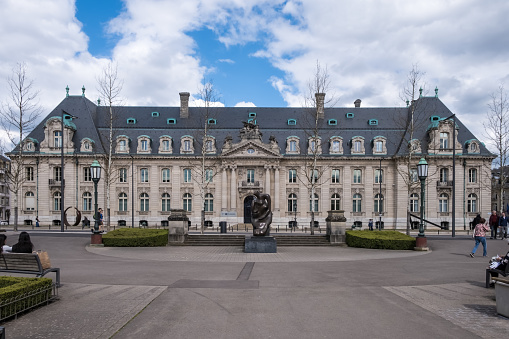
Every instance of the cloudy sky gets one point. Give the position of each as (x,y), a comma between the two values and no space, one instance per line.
(261,53)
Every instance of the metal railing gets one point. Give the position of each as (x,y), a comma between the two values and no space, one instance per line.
(12,307)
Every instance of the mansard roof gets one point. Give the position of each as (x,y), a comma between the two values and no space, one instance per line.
(93,120)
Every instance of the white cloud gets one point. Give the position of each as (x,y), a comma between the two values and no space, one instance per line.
(228,61)
(245,104)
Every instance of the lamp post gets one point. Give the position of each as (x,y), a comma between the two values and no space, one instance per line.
(96,176)
(65,115)
(422,171)
(380,197)
(295,210)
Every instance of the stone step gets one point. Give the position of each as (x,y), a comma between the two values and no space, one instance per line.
(238,240)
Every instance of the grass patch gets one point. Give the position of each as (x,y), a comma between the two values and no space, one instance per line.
(389,240)
(136,237)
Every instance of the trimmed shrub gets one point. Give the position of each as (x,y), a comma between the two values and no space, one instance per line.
(389,240)
(37,291)
(136,237)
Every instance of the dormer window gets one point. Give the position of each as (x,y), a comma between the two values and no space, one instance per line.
(349,115)
(358,145)
(165,144)
(336,145)
(415,146)
(171,121)
(473,146)
(314,145)
(131,121)
(144,144)
(292,122)
(292,145)
(122,144)
(252,115)
(155,114)
(57,139)
(212,121)
(444,140)
(86,145)
(379,145)
(186,145)
(210,145)
(435,118)
(332,122)
(373,122)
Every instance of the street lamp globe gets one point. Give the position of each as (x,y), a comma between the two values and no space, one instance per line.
(96,171)
(422,169)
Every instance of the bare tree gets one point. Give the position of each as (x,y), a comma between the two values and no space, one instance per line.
(19,116)
(110,87)
(497,132)
(315,102)
(204,166)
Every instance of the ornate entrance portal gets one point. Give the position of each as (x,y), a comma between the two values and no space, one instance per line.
(247,209)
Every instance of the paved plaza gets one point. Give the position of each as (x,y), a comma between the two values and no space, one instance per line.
(299,292)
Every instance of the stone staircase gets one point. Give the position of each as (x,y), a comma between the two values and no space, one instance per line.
(238,240)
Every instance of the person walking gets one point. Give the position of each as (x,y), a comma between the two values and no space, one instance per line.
(370,224)
(502,226)
(36,221)
(493,224)
(480,237)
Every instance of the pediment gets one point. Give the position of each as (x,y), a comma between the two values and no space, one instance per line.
(251,149)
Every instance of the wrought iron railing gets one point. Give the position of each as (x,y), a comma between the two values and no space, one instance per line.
(12,307)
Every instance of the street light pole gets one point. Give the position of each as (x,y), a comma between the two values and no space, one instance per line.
(96,176)
(62,180)
(422,171)
(295,210)
(380,197)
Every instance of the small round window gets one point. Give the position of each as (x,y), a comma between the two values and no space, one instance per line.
(250,150)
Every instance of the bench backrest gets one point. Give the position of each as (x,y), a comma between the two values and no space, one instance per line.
(20,262)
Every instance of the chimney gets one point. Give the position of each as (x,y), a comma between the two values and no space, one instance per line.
(320,99)
(357,103)
(184,104)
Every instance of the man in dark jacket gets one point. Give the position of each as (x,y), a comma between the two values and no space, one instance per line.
(493,224)
(502,226)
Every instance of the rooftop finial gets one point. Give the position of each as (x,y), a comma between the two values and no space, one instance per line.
(420,92)
(83,91)
(67,91)
(407,103)
(99,102)
(436,91)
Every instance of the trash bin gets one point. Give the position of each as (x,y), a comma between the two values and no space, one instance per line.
(222,226)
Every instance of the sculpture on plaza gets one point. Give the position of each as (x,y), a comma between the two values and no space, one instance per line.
(261,214)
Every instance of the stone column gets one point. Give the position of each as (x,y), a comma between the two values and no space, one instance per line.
(267,180)
(233,193)
(224,195)
(276,188)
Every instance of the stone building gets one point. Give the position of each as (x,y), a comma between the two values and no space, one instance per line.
(4,189)
(365,163)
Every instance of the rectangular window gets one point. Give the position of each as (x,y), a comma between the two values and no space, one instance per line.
(144,174)
(187,175)
(313,145)
(122,146)
(122,204)
(87,174)
(166,175)
(250,175)
(293,146)
(378,176)
(29,173)
(166,145)
(58,139)
(379,146)
(122,175)
(472,175)
(313,176)
(335,176)
(357,146)
(209,175)
(187,145)
(335,146)
(57,173)
(144,145)
(444,140)
(357,176)
(413,175)
(292,176)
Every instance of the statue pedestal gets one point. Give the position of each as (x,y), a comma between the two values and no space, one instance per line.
(177,227)
(336,227)
(260,245)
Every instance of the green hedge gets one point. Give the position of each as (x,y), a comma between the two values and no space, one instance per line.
(136,237)
(390,240)
(16,287)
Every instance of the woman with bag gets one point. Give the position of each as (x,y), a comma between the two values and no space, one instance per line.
(480,236)
(24,245)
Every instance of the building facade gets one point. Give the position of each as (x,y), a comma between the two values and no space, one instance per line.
(5,211)
(359,159)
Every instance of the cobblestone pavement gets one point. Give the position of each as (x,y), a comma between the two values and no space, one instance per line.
(470,307)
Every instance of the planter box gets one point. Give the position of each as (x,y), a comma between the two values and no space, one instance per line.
(502,296)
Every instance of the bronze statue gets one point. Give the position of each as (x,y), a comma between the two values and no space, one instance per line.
(261,215)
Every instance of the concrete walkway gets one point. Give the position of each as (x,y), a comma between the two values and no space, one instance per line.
(299,292)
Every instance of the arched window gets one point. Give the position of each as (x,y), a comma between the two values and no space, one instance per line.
(56,201)
(357,203)
(29,201)
(315,204)
(292,203)
(166,175)
(379,176)
(209,202)
(335,202)
(443,203)
(187,202)
(444,174)
(414,202)
(379,203)
(472,203)
(144,202)
(122,202)
(87,201)
(165,202)
(472,175)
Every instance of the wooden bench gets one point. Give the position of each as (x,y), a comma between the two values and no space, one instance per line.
(493,272)
(26,263)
